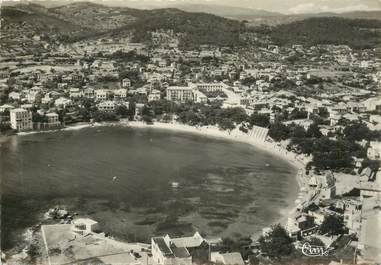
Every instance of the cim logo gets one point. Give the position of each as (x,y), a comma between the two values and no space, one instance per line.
(315,251)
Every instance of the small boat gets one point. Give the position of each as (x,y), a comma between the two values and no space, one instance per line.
(267,165)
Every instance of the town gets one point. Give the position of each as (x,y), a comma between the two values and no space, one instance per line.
(320,106)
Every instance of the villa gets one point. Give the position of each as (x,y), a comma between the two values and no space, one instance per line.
(182,250)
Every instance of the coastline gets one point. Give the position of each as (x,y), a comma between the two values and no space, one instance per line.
(273,148)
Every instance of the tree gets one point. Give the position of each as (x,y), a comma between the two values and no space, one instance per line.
(226,124)
(278,131)
(277,243)
(332,225)
(122,110)
(314,131)
(261,120)
(359,131)
(298,132)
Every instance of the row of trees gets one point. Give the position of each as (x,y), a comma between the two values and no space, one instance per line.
(203,115)
(335,151)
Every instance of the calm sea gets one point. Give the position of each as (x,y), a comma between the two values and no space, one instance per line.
(124,178)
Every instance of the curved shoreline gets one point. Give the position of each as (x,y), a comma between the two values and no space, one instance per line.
(275,149)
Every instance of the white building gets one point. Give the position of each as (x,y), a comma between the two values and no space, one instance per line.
(53,119)
(21,119)
(6,107)
(126,82)
(325,185)
(179,94)
(209,87)
(75,93)
(106,106)
(14,95)
(31,96)
(102,94)
(120,93)
(174,251)
(154,95)
(374,150)
(46,99)
(199,97)
(165,253)
(63,102)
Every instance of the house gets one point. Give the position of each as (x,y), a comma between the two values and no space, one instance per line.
(373,104)
(6,107)
(352,214)
(46,99)
(324,185)
(62,102)
(106,106)
(233,258)
(31,96)
(302,224)
(88,93)
(374,150)
(85,226)
(154,95)
(102,94)
(126,82)
(120,93)
(164,252)
(21,119)
(182,250)
(75,93)
(15,95)
(52,119)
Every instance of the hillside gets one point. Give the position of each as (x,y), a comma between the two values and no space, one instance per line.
(198,28)
(285,19)
(96,16)
(357,33)
(82,20)
(237,13)
(21,23)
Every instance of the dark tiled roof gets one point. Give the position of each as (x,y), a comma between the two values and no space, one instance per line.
(180,252)
(162,246)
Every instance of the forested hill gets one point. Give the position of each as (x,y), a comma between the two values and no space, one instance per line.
(82,20)
(199,28)
(357,33)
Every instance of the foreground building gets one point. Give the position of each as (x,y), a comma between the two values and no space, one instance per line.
(179,94)
(21,119)
(179,251)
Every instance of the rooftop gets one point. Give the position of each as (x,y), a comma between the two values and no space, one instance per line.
(160,242)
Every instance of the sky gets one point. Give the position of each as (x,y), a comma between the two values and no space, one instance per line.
(283,6)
